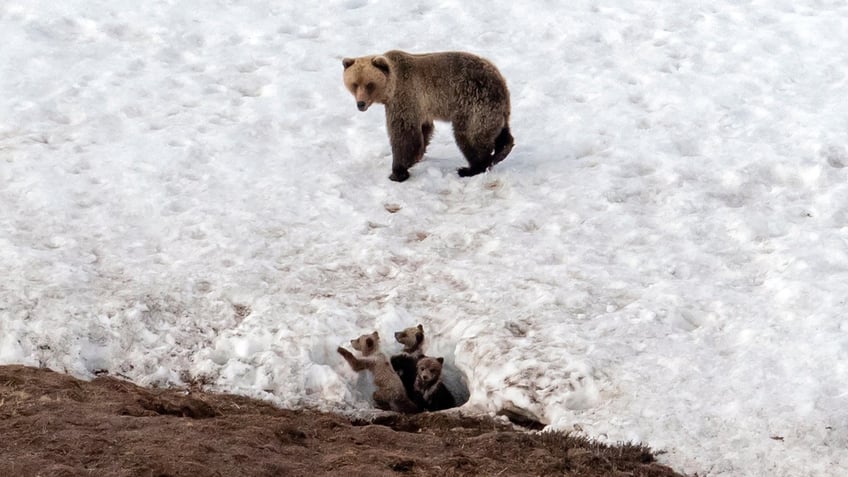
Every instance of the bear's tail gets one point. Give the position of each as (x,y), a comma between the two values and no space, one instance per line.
(503,145)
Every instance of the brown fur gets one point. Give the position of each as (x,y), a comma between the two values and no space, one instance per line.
(404,363)
(390,394)
(458,87)
(430,392)
(412,340)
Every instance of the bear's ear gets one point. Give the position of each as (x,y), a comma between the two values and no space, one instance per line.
(440,360)
(381,63)
(347,62)
(420,328)
(376,335)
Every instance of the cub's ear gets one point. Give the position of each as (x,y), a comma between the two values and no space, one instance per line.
(347,62)
(375,335)
(381,63)
(440,360)
(420,328)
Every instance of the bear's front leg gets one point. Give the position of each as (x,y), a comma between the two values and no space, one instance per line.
(354,363)
(407,149)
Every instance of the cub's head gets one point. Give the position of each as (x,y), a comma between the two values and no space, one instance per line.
(411,338)
(429,369)
(367,79)
(366,344)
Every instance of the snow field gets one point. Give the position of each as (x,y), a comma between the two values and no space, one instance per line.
(188,192)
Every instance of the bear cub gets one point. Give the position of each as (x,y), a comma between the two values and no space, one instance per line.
(464,89)
(405,363)
(430,392)
(390,394)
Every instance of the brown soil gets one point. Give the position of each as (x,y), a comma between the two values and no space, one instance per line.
(54,425)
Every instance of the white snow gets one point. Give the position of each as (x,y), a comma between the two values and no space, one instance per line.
(188,192)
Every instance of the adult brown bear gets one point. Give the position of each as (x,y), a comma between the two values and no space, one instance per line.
(464,89)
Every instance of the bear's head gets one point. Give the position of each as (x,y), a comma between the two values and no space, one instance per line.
(366,344)
(367,79)
(429,370)
(410,338)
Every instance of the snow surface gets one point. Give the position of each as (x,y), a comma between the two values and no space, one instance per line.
(188,192)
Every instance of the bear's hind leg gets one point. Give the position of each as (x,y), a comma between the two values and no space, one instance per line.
(380,402)
(427,132)
(479,156)
(503,145)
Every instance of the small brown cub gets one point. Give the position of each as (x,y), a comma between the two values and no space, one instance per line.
(430,392)
(390,394)
(405,362)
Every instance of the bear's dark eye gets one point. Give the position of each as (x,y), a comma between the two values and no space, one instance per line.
(369,87)
(355,85)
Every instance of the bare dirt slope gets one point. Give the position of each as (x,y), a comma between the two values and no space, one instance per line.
(54,425)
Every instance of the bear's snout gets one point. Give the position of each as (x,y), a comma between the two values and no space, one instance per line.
(361,105)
